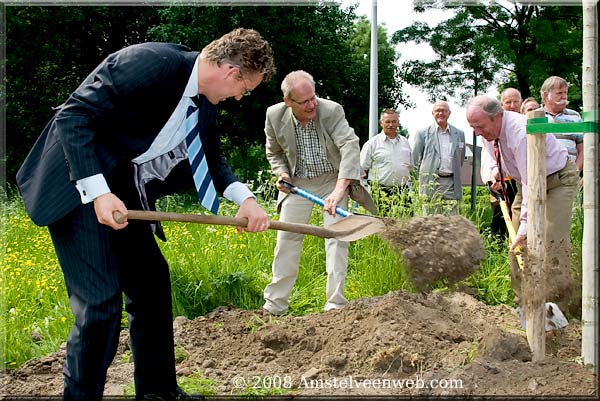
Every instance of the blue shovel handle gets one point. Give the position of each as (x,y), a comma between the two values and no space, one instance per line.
(312,197)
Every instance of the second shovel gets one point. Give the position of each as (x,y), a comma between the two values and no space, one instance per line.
(368,224)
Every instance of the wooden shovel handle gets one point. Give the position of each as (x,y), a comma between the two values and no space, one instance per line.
(222,220)
(512,234)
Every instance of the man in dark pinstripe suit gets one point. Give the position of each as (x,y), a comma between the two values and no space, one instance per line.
(124,116)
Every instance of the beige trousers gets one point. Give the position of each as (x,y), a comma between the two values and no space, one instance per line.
(560,193)
(286,261)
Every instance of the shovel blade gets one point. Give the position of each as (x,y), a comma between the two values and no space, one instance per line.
(355,227)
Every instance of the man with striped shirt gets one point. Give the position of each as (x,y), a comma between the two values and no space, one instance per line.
(554,93)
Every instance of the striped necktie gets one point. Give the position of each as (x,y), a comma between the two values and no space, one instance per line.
(204,184)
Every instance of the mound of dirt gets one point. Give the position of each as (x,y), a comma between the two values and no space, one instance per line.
(397,344)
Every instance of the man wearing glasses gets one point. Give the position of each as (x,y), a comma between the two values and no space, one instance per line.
(140,126)
(310,144)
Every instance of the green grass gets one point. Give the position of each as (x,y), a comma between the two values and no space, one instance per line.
(33,296)
(213,266)
(194,383)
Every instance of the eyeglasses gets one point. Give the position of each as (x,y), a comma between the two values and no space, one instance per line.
(247,91)
(307,101)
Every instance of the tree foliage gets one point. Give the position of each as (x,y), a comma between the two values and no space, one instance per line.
(50,50)
(502,43)
(389,89)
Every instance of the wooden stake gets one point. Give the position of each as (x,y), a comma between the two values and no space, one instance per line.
(533,283)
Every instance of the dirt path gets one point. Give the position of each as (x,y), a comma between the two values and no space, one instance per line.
(438,344)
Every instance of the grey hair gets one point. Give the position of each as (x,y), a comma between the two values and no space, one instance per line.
(490,106)
(551,83)
(291,79)
(442,102)
(387,111)
(529,100)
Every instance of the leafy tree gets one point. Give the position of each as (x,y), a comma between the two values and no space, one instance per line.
(389,88)
(311,38)
(507,43)
(50,50)
(326,41)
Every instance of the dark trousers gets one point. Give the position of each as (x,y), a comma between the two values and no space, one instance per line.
(498,225)
(99,265)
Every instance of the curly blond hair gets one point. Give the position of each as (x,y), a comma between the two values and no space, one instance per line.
(245,48)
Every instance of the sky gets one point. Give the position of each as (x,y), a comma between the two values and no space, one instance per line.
(398,14)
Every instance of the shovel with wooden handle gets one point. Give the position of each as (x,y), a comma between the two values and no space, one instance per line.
(512,234)
(369,224)
(341,230)
(555,319)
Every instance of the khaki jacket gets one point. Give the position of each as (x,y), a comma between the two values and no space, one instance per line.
(335,135)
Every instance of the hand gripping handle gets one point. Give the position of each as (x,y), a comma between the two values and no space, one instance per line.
(312,197)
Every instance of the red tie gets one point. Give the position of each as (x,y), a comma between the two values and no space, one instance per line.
(499,162)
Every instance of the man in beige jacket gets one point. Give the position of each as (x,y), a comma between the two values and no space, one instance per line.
(309,143)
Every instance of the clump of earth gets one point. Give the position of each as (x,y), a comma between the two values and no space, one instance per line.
(436,248)
(398,344)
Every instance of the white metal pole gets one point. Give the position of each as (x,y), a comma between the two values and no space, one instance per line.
(373,78)
(590,257)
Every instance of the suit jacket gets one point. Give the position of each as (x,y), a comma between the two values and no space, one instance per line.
(335,136)
(111,118)
(427,158)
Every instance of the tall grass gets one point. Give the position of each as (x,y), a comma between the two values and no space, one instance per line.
(35,311)
(213,266)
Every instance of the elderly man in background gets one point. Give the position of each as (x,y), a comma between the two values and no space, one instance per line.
(505,139)
(511,99)
(438,156)
(310,144)
(554,94)
(386,159)
(529,104)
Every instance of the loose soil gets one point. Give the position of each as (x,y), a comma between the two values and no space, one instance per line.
(452,339)
(436,248)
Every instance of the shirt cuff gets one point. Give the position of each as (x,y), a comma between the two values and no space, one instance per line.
(522,229)
(91,187)
(238,193)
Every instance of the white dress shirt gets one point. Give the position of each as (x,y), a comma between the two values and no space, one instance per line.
(445,150)
(388,161)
